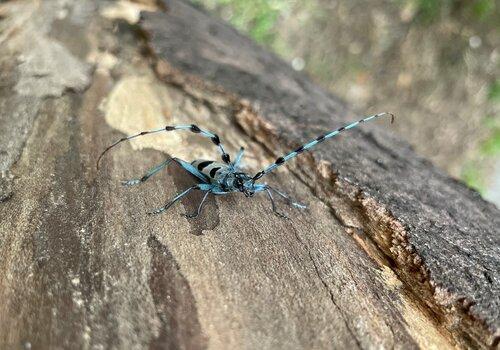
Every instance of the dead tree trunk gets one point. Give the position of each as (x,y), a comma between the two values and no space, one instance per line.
(391,253)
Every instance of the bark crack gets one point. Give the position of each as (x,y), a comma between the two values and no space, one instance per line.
(328,290)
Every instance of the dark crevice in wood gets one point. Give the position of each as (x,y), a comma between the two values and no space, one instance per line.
(175,304)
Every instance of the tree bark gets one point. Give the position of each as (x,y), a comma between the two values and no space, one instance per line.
(391,253)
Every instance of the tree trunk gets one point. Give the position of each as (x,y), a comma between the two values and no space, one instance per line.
(391,252)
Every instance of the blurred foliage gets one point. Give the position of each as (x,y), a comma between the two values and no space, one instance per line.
(494,93)
(432,10)
(256,17)
(483,9)
(473,172)
(471,175)
(491,147)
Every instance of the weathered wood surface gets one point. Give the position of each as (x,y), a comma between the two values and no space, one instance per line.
(391,253)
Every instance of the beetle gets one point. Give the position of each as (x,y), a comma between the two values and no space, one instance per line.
(220,178)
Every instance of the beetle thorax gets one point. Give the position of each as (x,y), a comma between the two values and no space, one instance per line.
(227,177)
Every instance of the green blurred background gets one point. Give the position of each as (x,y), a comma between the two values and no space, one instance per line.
(435,64)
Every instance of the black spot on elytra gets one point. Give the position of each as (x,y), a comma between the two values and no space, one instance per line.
(204,164)
(213,171)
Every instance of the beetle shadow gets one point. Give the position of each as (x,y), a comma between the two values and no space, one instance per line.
(209,216)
